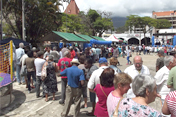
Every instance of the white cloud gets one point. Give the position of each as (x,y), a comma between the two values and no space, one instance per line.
(127,7)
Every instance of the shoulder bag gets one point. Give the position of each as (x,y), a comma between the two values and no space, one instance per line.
(117,107)
(103,91)
(44,72)
(23,71)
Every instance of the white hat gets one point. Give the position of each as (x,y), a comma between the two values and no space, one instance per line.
(70,47)
(75,61)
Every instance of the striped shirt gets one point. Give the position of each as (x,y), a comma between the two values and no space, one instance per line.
(171,103)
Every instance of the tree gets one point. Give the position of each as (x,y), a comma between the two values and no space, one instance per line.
(41,17)
(70,23)
(161,23)
(102,24)
(134,21)
(121,29)
(95,23)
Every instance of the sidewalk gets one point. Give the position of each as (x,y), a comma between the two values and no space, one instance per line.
(27,105)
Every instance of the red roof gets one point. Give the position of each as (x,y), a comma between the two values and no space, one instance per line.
(72,8)
(164,13)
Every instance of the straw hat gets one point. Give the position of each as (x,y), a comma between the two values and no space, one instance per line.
(75,61)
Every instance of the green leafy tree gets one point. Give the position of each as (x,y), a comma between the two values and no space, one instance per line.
(102,24)
(121,29)
(94,22)
(134,21)
(41,17)
(161,23)
(71,23)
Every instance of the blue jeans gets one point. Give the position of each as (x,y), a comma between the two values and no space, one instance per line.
(128,59)
(144,51)
(29,74)
(19,78)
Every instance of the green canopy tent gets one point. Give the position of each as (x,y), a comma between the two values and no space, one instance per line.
(86,37)
(98,38)
(65,37)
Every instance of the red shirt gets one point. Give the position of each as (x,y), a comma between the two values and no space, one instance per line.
(72,54)
(101,107)
(63,64)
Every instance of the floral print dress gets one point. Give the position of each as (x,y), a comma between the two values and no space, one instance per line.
(129,108)
(50,84)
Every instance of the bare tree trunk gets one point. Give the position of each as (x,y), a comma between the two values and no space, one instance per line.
(9,22)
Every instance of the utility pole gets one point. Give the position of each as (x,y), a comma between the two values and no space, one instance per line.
(1,23)
(23,27)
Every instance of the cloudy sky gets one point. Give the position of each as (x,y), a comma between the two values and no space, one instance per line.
(124,8)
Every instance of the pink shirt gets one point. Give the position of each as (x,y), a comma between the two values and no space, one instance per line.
(64,63)
(171,103)
(112,102)
(101,108)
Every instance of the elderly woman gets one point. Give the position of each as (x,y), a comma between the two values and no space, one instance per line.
(50,83)
(144,87)
(102,91)
(122,84)
(113,64)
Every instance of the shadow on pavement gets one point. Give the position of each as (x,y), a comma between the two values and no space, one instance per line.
(19,98)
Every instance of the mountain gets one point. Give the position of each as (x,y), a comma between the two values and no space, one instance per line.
(118,21)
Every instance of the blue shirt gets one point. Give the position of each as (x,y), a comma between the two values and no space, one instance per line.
(19,54)
(120,50)
(98,51)
(74,76)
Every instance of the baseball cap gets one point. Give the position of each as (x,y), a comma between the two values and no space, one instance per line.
(103,60)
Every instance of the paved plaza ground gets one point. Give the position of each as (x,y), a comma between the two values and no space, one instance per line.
(27,105)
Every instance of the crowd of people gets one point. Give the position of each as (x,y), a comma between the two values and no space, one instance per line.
(106,83)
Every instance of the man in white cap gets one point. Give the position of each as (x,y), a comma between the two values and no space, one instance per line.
(76,79)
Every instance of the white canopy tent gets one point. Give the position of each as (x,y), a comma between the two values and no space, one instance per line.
(112,38)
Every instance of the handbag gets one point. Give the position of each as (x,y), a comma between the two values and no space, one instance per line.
(117,108)
(23,71)
(44,72)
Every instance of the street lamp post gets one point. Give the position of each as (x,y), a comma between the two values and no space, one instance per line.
(23,27)
(1,22)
